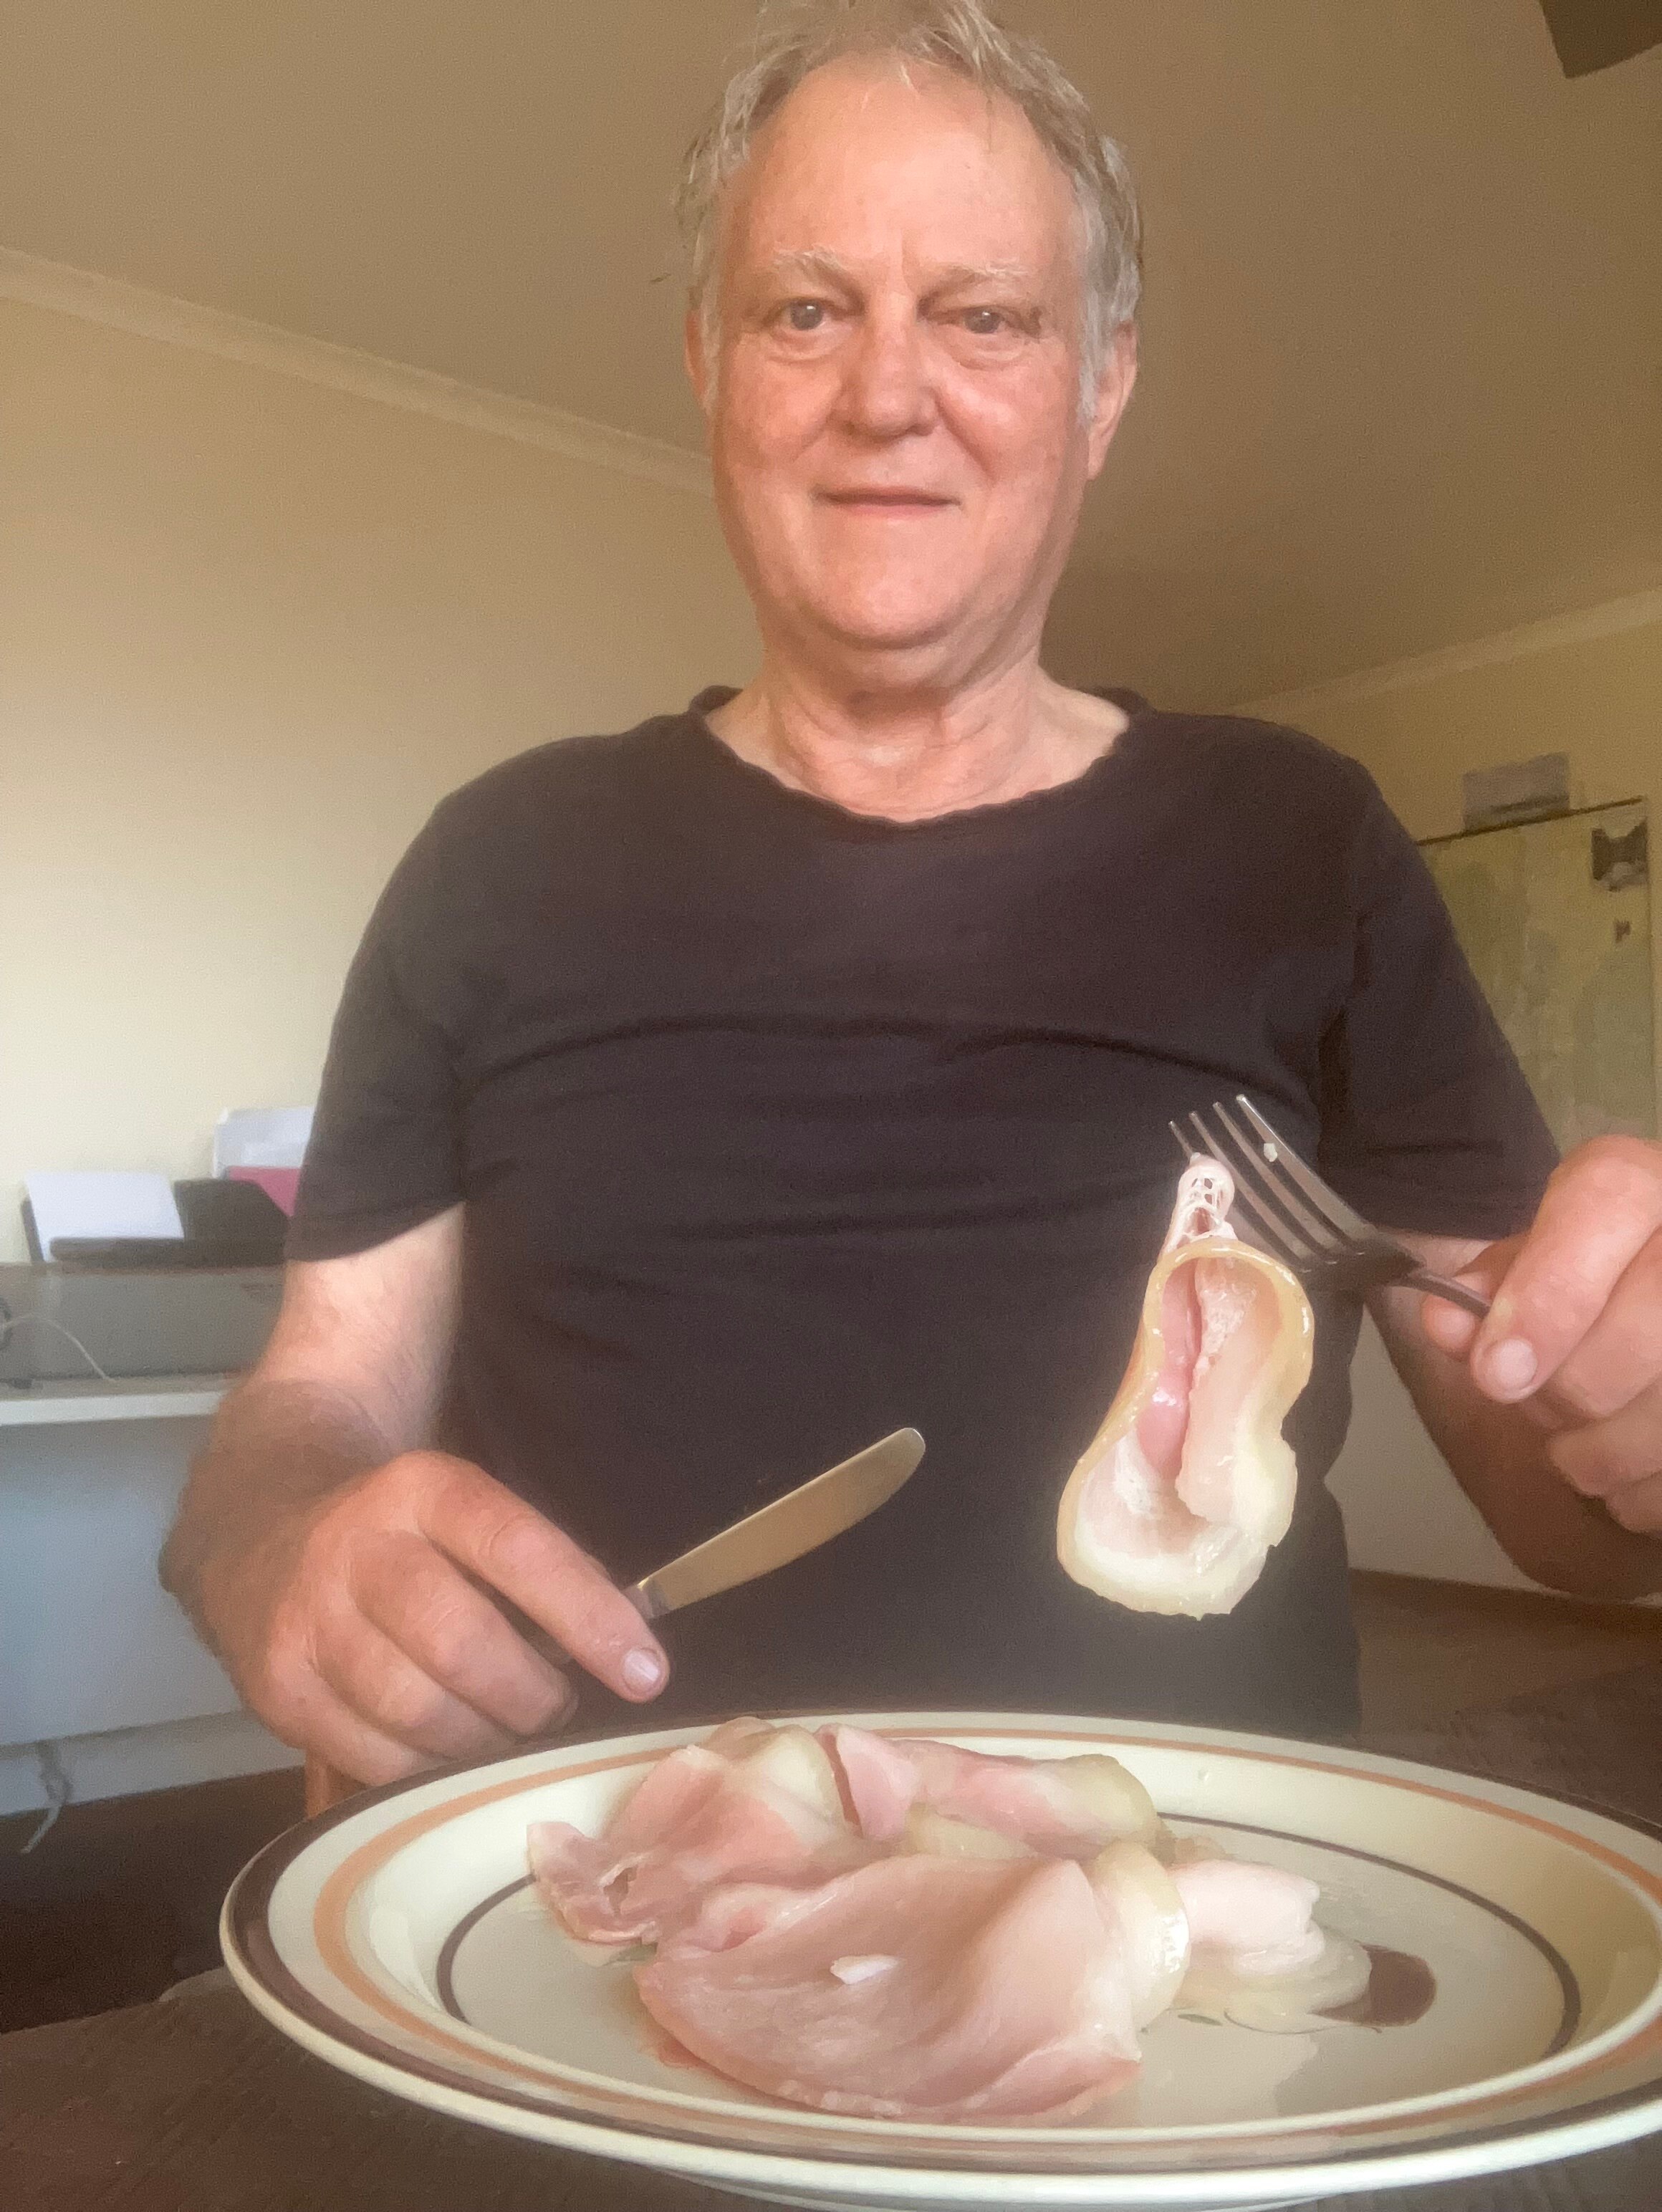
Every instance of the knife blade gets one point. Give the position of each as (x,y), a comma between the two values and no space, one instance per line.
(799,1521)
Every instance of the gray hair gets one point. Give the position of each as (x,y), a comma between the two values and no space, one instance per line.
(960,37)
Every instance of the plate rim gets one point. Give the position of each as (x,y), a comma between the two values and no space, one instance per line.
(1494,2145)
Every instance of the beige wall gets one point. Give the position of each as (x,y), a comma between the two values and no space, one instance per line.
(250,630)
(1599,699)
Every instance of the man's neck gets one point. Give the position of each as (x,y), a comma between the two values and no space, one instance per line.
(907,756)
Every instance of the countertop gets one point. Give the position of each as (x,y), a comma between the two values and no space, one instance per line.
(137,1398)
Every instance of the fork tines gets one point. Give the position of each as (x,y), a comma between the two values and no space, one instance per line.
(1291,1213)
(1272,1183)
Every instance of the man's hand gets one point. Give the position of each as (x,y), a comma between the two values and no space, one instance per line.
(346,1576)
(361,1626)
(1574,1335)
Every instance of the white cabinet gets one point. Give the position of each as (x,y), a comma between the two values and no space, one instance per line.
(92,1648)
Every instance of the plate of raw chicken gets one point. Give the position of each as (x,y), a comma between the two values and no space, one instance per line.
(944,1960)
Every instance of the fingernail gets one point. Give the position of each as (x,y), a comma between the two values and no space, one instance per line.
(1511,1366)
(643,1670)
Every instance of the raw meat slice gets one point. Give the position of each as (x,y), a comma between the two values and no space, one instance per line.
(935,1966)
(1258,1956)
(753,1803)
(1176,1500)
(934,1832)
(912,1987)
(1259,1913)
(1143,1910)
(924,1792)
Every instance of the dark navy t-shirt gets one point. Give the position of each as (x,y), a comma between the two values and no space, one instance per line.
(779,1127)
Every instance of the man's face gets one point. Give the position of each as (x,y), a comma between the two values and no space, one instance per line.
(895,417)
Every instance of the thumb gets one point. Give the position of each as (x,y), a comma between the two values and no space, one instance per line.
(1451,1328)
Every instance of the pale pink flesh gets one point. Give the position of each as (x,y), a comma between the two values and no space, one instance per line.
(1023,1798)
(1235,1906)
(1232,1297)
(1163,1423)
(1004,1998)
(881,1781)
(1186,1430)
(905,1985)
(690,1827)
(1176,1503)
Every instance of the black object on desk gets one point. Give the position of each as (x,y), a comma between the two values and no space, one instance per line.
(226,1225)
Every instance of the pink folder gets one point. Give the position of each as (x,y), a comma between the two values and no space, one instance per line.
(279,1184)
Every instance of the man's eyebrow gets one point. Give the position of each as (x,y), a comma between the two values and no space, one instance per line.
(813,264)
(985,272)
(818,264)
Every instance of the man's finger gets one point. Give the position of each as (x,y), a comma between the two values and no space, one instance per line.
(1451,1328)
(375,1681)
(321,1725)
(1606,1457)
(1621,1355)
(1638,1508)
(552,1580)
(1601,1208)
(454,1633)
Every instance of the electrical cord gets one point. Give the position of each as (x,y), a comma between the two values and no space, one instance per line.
(57,1788)
(10,1320)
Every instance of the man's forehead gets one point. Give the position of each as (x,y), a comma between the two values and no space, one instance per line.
(861,157)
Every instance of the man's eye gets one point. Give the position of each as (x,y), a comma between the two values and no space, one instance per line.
(984,322)
(804,315)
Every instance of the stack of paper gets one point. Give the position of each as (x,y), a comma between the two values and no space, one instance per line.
(103,1202)
(264,1144)
(261,1137)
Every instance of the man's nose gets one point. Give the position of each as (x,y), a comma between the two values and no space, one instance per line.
(886,391)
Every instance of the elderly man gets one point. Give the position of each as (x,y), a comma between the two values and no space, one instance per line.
(707,1100)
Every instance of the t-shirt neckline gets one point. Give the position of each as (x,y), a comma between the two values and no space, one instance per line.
(807,806)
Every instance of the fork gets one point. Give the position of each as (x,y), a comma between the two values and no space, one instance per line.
(1293,1216)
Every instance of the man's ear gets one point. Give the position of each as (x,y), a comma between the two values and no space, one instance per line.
(693,352)
(1114,388)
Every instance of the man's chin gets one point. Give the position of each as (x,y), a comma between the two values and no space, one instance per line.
(889,635)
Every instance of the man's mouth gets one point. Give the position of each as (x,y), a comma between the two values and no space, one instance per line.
(887,499)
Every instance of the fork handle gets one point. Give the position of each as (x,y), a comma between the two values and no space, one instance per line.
(1444,1286)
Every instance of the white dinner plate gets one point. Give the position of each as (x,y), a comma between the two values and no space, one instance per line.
(398,1938)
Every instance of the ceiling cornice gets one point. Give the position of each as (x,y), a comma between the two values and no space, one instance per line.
(107,300)
(1637,610)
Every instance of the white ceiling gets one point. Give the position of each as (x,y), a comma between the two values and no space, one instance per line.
(1403,351)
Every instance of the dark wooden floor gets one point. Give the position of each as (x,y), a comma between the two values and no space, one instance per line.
(121,1899)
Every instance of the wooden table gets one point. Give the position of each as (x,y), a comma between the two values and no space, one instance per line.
(193,2104)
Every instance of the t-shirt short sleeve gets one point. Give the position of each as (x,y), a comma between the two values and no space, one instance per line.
(386,1151)
(1427,1122)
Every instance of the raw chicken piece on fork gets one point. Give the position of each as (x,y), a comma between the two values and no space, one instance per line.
(1188,1483)
(1291,1213)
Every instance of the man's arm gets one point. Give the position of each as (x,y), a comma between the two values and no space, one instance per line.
(345,1573)
(1550,1413)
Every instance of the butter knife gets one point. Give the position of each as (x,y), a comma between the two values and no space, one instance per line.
(799,1521)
